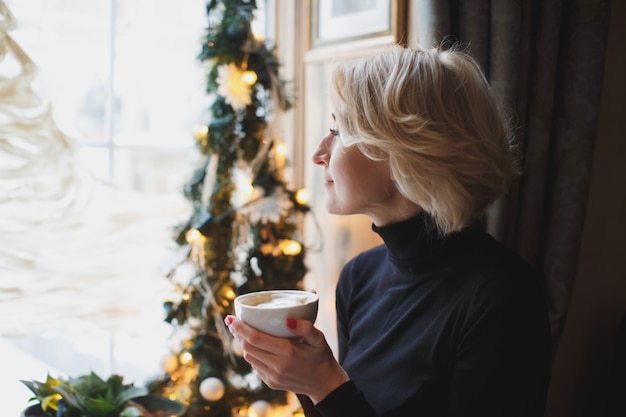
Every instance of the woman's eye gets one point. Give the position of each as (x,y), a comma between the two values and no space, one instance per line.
(334,132)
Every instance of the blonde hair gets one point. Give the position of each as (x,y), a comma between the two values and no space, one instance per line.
(431,115)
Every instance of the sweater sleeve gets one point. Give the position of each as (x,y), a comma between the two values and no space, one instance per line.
(308,407)
(345,400)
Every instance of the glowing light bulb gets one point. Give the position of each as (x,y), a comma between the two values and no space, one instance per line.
(185,358)
(281,149)
(249,77)
(303,196)
(280,155)
(201,133)
(247,189)
(186,296)
(290,247)
(193,235)
(260,408)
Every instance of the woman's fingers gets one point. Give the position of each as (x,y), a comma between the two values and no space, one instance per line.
(307,333)
(303,364)
(253,337)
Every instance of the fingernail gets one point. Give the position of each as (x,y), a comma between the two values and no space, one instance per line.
(292,323)
(228,320)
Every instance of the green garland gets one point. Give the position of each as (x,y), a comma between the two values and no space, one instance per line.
(235,136)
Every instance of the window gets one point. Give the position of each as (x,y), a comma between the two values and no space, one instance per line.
(123,81)
(87,279)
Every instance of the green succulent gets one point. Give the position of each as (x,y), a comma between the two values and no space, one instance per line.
(87,396)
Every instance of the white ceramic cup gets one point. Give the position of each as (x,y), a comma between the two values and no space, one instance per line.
(268,311)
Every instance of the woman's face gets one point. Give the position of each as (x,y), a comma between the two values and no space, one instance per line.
(355,184)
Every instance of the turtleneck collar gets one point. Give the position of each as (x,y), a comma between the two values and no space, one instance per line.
(416,243)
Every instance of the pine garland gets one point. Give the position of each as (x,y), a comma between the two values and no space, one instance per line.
(244,232)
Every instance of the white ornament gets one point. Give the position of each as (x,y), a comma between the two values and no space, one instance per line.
(212,389)
(195,323)
(259,408)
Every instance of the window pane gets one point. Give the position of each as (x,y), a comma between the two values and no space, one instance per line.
(161,171)
(66,40)
(95,160)
(118,73)
(159,83)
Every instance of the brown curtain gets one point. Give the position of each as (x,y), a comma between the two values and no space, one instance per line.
(546,59)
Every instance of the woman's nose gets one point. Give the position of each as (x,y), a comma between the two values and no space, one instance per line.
(321,156)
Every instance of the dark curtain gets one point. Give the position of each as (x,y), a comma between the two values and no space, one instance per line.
(546,59)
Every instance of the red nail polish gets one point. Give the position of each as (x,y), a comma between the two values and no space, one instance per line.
(228,320)
(292,323)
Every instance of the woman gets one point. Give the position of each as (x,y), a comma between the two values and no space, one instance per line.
(440,320)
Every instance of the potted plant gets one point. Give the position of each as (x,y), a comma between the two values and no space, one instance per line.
(91,396)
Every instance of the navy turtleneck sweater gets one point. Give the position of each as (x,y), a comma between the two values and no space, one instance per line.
(439,326)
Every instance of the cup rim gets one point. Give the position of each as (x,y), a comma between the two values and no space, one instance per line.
(314,297)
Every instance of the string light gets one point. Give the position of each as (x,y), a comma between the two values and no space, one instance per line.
(230,294)
(185,358)
(242,178)
(281,149)
(303,196)
(281,155)
(246,189)
(290,247)
(249,77)
(201,133)
(193,235)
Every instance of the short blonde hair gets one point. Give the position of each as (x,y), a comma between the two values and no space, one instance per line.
(431,114)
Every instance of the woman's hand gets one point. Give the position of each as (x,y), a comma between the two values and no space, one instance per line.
(304,364)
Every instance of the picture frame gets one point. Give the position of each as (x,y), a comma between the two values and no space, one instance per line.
(346,21)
